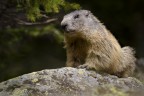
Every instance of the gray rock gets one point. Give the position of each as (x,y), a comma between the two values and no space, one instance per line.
(70,82)
(139,72)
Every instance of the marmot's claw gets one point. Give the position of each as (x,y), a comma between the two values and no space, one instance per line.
(84,66)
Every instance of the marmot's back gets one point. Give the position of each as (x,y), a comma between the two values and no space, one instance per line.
(90,45)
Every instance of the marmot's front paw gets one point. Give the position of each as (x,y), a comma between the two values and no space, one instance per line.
(86,66)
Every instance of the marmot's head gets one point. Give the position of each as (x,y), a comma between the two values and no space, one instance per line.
(79,21)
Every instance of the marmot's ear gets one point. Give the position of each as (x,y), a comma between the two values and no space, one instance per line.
(88,13)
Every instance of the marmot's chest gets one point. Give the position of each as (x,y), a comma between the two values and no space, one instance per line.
(80,51)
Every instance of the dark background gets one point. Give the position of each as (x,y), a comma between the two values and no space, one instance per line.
(22,53)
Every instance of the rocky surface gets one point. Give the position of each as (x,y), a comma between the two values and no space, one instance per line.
(139,72)
(70,82)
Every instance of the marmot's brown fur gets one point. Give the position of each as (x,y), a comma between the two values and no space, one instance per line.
(90,45)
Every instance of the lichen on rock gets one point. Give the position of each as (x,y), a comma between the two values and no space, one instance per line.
(69,82)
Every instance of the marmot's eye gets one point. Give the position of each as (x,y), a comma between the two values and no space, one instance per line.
(76,16)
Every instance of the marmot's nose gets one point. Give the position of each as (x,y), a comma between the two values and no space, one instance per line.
(64,26)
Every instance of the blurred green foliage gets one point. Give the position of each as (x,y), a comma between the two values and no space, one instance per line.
(27,48)
(33,7)
(38,47)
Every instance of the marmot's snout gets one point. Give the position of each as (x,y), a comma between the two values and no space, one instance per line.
(64,26)
(67,26)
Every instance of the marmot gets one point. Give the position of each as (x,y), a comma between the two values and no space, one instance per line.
(90,45)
